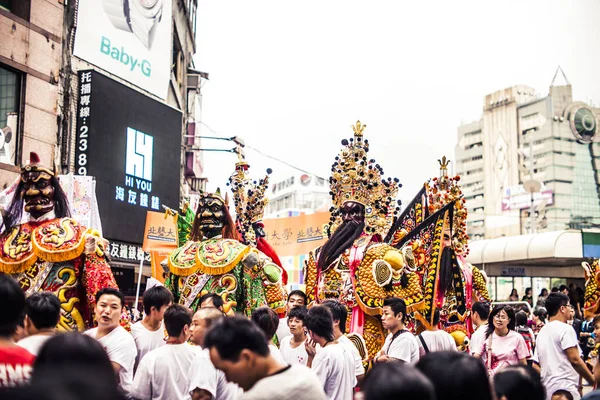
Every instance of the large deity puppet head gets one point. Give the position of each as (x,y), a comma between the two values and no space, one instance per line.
(363,201)
(38,193)
(213,218)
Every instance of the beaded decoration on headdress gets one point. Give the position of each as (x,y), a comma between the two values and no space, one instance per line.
(248,197)
(356,178)
(442,191)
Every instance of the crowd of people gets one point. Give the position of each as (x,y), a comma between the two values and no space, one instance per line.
(172,353)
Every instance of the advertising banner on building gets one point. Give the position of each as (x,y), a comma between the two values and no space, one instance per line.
(131,145)
(295,236)
(131,39)
(517,198)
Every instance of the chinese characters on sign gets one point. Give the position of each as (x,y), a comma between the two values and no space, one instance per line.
(295,236)
(119,251)
(83,122)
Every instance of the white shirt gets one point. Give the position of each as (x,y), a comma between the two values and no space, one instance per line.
(295,382)
(436,341)
(334,366)
(557,372)
(359,368)
(293,356)
(203,375)
(477,338)
(404,347)
(163,372)
(33,343)
(146,340)
(276,354)
(283,330)
(120,347)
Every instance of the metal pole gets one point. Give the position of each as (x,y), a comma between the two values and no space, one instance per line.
(531,216)
(137,292)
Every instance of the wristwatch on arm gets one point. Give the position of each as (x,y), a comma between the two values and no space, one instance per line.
(141,17)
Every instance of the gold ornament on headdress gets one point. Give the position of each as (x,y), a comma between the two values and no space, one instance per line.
(216,195)
(445,190)
(248,197)
(356,178)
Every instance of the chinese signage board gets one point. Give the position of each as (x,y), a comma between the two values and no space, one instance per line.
(127,253)
(296,236)
(129,38)
(160,233)
(131,145)
(517,198)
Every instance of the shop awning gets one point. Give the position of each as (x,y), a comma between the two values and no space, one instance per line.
(548,248)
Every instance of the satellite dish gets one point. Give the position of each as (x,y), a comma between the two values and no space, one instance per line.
(532,186)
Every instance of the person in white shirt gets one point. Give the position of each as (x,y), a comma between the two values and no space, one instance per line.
(163,372)
(435,339)
(400,345)
(557,351)
(267,320)
(42,313)
(292,347)
(240,349)
(340,315)
(149,333)
(296,298)
(333,362)
(480,313)
(207,382)
(118,343)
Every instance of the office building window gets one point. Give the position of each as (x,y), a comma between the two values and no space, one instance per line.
(20,8)
(10,93)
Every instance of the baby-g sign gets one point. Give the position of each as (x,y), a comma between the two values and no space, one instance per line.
(134,45)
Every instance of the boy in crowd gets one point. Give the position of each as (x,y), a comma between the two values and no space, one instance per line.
(163,372)
(435,339)
(149,333)
(296,298)
(340,315)
(400,344)
(557,350)
(12,357)
(117,342)
(207,382)
(267,320)
(292,347)
(212,300)
(240,349)
(480,313)
(42,313)
(333,363)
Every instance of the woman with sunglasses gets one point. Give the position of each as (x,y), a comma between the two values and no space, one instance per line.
(502,346)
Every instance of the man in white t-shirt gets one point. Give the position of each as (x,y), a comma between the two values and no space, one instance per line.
(149,333)
(267,320)
(292,348)
(333,362)
(118,343)
(340,315)
(400,345)
(239,348)
(480,313)
(163,372)
(557,350)
(207,382)
(435,339)
(42,313)
(296,298)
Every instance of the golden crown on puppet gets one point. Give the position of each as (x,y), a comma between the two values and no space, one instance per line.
(356,178)
(445,190)
(248,197)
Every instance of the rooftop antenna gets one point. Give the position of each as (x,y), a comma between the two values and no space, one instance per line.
(563,74)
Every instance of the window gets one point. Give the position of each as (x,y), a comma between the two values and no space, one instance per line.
(10,98)
(19,8)
(192,8)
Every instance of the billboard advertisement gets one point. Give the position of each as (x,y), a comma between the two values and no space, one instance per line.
(131,144)
(517,198)
(131,39)
(294,236)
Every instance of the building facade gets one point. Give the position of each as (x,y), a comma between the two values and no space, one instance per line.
(296,195)
(530,164)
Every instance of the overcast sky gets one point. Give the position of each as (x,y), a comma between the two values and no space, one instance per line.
(291,78)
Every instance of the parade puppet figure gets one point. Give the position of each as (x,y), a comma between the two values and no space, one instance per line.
(215,261)
(46,250)
(354,265)
(250,202)
(591,297)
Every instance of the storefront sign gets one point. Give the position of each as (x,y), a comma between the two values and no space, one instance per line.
(513,271)
(127,252)
(295,236)
(132,147)
(131,39)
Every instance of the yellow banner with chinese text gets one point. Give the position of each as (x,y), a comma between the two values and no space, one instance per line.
(294,236)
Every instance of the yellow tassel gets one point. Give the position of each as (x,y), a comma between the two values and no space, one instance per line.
(18,267)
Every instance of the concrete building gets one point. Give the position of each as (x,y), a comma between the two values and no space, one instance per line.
(30,62)
(296,195)
(525,142)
